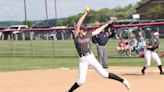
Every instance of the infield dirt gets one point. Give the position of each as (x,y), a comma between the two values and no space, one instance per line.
(59,80)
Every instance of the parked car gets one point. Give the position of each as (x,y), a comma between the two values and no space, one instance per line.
(17,27)
(16,34)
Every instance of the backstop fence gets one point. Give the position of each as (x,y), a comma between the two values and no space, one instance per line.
(57,42)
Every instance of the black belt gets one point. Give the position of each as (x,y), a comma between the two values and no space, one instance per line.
(151,49)
(85,54)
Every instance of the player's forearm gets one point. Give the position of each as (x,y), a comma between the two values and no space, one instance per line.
(98,30)
(149,47)
(77,29)
(80,21)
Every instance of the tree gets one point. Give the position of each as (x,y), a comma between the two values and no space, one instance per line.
(142,2)
(156,12)
(28,23)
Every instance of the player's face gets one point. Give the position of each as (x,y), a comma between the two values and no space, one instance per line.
(156,36)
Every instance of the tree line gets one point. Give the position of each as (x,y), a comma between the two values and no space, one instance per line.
(101,15)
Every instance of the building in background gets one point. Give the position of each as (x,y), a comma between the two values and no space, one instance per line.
(144,8)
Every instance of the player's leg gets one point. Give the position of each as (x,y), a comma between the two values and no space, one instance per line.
(94,63)
(118,49)
(105,64)
(137,51)
(82,73)
(130,51)
(148,61)
(100,54)
(158,60)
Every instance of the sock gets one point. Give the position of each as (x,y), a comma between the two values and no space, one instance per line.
(143,69)
(115,77)
(160,68)
(75,86)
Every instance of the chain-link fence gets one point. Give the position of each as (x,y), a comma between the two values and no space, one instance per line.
(60,44)
(54,48)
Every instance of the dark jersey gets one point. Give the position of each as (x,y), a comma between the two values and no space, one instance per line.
(154,43)
(83,43)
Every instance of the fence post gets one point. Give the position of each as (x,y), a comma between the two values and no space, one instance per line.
(38,36)
(47,36)
(62,35)
(32,43)
(8,37)
(53,45)
(71,35)
(55,36)
(23,36)
(11,38)
(2,36)
(16,36)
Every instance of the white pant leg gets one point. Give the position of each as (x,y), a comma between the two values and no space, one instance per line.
(97,66)
(147,58)
(156,57)
(82,72)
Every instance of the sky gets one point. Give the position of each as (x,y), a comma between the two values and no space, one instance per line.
(13,10)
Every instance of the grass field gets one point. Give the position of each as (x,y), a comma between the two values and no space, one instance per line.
(29,63)
(17,55)
(50,48)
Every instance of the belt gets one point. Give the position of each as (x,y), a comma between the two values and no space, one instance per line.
(151,49)
(85,54)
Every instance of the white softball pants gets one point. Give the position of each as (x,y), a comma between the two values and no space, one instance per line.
(87,61)
(151,54)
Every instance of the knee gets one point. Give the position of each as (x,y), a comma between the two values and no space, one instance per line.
(147,65)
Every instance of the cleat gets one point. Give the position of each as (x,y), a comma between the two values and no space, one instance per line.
(126,83)
(161,73)
(105,67)
(143,72)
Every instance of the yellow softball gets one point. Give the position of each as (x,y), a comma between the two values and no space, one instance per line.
(87,9)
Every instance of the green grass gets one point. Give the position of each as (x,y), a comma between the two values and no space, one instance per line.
(18,55)
(20,63)
(50,48)
(29,63)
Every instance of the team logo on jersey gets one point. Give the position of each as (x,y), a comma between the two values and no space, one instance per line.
(83,40)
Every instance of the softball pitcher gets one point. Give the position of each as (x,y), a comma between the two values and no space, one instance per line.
(82,40)
(151,45)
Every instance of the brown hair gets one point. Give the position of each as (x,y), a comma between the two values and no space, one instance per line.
(83,28)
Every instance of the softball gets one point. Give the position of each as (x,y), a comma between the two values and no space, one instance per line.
(87,9)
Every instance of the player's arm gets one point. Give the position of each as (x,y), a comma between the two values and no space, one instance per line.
(80,21)
(98,30)
(149,46)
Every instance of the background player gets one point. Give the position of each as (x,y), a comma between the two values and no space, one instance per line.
(151,45)
(82,40)
(101,43)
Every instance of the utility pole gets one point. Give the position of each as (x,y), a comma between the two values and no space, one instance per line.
(46,10)
(55,12)
(25,13)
